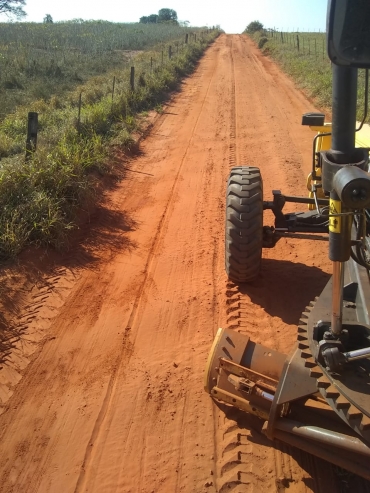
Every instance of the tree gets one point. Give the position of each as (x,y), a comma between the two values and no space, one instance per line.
(165,15)
(150,19)
(254,26)
(48,19)
(153,19)
(13,8)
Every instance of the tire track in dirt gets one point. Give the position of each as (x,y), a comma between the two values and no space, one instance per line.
(87,289)
(244,447)
(22,338)
(236,452)
(126,353)
(233,130)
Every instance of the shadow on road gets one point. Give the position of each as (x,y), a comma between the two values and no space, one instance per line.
(101,236)
(285,288)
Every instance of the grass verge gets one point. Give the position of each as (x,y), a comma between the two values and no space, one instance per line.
(303,57)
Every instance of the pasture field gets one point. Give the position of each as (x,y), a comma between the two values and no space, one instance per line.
(41,60)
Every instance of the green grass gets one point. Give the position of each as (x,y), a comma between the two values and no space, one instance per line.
(40,199)
(309,65)
(38,61)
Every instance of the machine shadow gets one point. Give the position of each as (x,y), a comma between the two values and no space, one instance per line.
(285,288)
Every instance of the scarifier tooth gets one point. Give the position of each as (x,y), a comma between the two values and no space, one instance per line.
(342,403)
(303,345)
(306,354)
(308,309)
(312,304)
(331,392)
(323,382)
(301,337)
(302,329)
(304,317)
(316,372)
(310,363)
(365,423)
(353,413)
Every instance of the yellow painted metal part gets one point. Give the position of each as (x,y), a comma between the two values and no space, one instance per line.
(335,222)
(323,144)
(363,137)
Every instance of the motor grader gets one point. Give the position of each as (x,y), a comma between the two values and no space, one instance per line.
(318,397)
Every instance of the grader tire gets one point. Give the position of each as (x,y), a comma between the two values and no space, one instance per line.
(244,224)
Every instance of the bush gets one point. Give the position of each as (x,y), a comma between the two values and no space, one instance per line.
(254,27)
(262,41)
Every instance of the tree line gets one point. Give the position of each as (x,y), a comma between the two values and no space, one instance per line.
(14,8)
(164,15)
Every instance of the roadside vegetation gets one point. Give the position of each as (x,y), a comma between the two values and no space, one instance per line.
(303,56)
(41,197)
(38,61)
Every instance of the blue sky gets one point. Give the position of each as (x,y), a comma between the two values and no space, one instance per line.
(232,15)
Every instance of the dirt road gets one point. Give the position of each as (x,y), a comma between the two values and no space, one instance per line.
(103,390)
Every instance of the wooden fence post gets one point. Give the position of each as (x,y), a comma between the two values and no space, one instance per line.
(79,113)
(31,141)
(297,42)
(170,52)
(186,38)
(114,85)
(132,79)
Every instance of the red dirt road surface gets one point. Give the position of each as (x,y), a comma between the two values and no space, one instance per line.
(102,390)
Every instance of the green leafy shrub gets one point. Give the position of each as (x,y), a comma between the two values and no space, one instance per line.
(262,41)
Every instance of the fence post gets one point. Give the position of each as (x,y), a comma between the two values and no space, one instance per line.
(170,52)
(79,113)
(31,141)
(186,38)
(297,42)
(151,64)
(114,85)
(132,79)
(282,37)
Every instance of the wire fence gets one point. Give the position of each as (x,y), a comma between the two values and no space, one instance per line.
(311,44)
